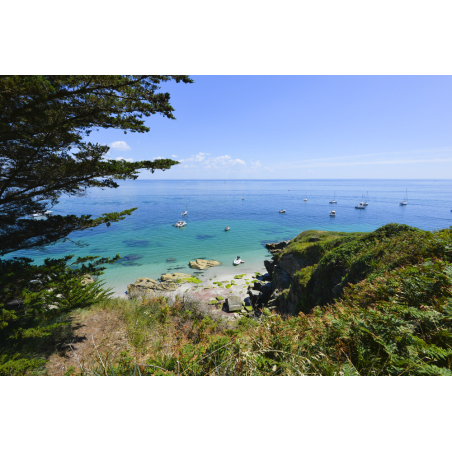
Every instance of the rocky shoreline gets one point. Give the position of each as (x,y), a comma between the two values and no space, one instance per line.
(231,293)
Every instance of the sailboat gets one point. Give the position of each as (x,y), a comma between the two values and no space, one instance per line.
(306,196)
(334,199)
(361,205)
(405,202)
(185,211)
(365,203)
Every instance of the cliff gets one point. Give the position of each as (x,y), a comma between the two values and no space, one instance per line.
(314,268)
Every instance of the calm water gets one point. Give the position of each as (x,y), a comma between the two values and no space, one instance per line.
(147,238)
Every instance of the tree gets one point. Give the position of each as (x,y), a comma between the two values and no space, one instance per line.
(45,122)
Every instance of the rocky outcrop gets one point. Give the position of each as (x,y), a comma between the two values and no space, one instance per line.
(292,263)
(147,287)
(269,265)
(202,264)
(281,279)
(277,247)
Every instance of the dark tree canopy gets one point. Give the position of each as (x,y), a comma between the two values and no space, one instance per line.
(45,123)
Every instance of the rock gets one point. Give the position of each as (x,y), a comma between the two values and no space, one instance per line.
(263,286)
(277,246)
(281,279)
(254,295)
(249,308)
(269,265)
(175,276)
(202,264)
(146,287)
(266,277)
(234,304)
(171,259)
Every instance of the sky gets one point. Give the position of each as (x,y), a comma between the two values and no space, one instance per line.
(298,127)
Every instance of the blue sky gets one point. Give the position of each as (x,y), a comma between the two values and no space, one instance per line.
(296,127)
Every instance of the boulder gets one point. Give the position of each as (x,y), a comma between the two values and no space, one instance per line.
(146,287)
(202,264)
(175,276)
(234,303)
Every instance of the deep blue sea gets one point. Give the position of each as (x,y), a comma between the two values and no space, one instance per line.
(146,239)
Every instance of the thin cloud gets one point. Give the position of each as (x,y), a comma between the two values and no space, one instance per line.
(202,160)
(120,146)
(122,158)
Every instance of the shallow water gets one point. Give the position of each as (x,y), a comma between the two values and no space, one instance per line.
(150,245)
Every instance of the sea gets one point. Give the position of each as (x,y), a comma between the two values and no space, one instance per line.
(150,245)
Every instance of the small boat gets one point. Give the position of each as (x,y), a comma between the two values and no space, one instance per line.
(180,224)
(227,228)
(405,202)
(282,211)
(185,211)
(333,201)
(365,203)
(333,213)
(306,196)
(238,261)
(360,205)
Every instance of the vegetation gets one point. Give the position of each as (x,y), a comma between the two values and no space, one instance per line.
(193,280)
(391,316)
(45,123)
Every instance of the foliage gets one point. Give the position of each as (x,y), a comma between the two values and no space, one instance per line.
(44,153)
(34,300)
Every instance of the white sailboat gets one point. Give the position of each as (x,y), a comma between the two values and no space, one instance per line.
(361,205)
(185,212)
(333,201)
(365,203)
(306,196)
(405,200)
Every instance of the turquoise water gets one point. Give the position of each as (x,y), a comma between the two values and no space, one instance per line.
(147,238)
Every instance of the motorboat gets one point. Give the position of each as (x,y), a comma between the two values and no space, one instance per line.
(282,211)
(180,224)
(333,213)
(360,206)
(227,228)
(238,261)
